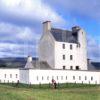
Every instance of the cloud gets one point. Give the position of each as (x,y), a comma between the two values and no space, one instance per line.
(31,10)
(17,50)
(89,8)
(20,22)
(12,32)
(17,41)
(93,49)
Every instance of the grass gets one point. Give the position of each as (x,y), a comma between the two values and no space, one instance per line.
(45,92)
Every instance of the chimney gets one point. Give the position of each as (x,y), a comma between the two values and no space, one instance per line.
(29,59)
(75,28)
(46,26)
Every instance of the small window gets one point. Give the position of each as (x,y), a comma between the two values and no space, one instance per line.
(71,47)
(52,77)
(16,75)
(71,67)
(64,67)
(63,57)
(79,77)
(71,57)
(85,78)
(91,78)
(61,77)
(10,75)
(77,67)
(73,77)
(47,77)
(5,76)
(37,78)
(66,77)
(57,77)
(78,45)
(42,78)
(63,46)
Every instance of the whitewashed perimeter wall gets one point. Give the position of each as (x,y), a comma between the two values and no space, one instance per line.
(9,75)
(24,76)
(31,76)
(63,76)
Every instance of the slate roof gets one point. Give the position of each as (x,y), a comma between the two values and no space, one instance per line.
(35,64)
(64,35)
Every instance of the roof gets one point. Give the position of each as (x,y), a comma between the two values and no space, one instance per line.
(64,35)
(36,64)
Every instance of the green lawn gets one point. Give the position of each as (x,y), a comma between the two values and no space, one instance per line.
(64,92)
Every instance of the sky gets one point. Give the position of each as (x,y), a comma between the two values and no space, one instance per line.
(21,24)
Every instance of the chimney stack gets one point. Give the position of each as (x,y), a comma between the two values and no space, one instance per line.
(46,26)
(75,28)
(29,59)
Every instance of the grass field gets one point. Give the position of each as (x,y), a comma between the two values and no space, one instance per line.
(45,92)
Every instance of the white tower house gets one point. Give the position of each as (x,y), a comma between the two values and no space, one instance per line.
(82,43)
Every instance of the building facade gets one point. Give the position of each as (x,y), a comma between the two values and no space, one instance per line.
(63,49)
(62,57)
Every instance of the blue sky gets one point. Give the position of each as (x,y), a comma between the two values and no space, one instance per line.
(21,28)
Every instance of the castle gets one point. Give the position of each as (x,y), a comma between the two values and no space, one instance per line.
(63,49)
(62,56)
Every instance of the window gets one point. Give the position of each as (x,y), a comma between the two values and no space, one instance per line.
(47,77)
(5,75)
(16,75)
(61,77)
(57,77)
(64,67)
(85,78)
(71,67)
(52,77)
(63,46)
(42,77)
(78,45)
(71,57)
(77,67)
(63,57)
(66,77)
(79,77)
(37,78)
(71,47)
(91,78)
(10,75)
(73,77)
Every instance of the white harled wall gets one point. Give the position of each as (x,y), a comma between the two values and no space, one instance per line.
(78,51)
(9,75)
(63,76)
(59,52)
(83,49)
(31,76)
